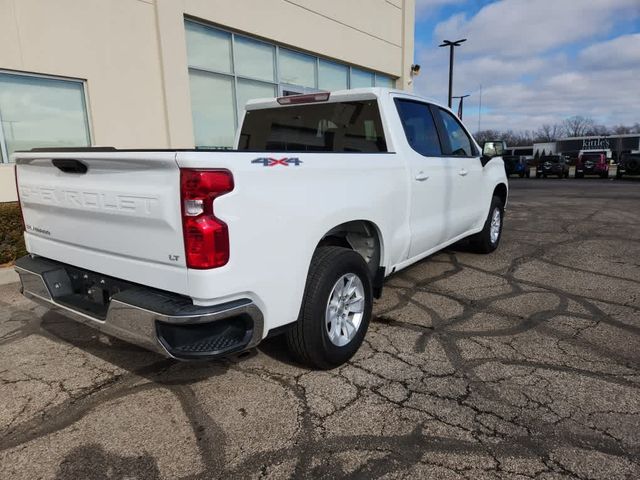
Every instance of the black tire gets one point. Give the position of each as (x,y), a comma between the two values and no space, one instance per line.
(618,174)
(605,174)
(528,173)
(308,340)
(538,175)
(521,174)
(544,176)
(481,242)
(566,174)
(579,175)
(561,175)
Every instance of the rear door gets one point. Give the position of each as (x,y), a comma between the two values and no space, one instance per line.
(430,181)
(466,174)
(116,213)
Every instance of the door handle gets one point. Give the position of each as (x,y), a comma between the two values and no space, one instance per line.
(421,177)
(462,172)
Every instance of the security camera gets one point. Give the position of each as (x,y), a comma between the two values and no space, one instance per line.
(415,70)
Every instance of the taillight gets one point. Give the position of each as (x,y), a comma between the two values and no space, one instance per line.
(15,171)
(206,238)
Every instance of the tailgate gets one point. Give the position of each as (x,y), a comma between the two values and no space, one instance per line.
(120,217)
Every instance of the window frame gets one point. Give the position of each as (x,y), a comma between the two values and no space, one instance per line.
(442,129)
(429,107)
(4,158)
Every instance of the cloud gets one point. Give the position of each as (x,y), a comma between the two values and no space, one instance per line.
(619,52)
(516,27)
(518,51)
(426,8)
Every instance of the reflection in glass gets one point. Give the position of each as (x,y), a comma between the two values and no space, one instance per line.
(213,109)
(42,112)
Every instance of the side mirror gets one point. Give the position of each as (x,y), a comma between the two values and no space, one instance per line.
(494,148)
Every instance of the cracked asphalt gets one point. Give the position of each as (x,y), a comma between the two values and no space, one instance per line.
(520,364)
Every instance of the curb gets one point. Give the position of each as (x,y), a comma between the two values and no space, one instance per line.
(8,275)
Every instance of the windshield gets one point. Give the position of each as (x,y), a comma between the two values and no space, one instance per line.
(315,127)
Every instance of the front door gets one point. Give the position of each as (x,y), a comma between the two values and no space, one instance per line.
(463,158)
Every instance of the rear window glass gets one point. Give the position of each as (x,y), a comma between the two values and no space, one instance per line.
(319,127)
(593,157)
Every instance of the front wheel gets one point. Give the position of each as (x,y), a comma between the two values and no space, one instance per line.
(489,238)
(336,309)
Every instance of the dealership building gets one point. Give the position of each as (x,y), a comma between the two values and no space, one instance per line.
(177,73)
(614,145)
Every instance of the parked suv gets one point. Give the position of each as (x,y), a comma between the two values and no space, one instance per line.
(553,165)
(629,164)
(516,165)
(592,164)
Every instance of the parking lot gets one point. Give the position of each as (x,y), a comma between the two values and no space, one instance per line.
(520,364)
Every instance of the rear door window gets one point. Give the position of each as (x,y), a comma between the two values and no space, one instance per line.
(459,143)
(319,127)
(419,127)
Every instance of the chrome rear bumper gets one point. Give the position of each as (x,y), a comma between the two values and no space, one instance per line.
(159,321)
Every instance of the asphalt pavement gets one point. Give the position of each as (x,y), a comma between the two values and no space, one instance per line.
(520,364)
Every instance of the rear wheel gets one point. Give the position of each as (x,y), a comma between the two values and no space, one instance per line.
(579,175)
(489,238)
(336,309)
(604,174)
(618,174)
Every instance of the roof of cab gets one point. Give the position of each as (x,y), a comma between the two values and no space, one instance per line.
(367,93)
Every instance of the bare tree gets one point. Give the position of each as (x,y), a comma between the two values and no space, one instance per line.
(548,133)
(488,135)
(577,126)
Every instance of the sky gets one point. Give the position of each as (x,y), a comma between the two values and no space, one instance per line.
(538,61)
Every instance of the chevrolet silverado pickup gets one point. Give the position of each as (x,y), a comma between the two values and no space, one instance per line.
(197,254)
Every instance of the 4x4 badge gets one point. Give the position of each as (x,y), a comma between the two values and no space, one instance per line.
(272,162)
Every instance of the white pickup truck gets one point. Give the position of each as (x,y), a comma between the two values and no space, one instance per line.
(196,254)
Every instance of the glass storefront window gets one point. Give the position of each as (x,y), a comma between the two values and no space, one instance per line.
(228,69)
(384,81)
(249,90)
(297,68)
(254,59)
(213,109)
(41,112)
(332,76)
(208,48)
(361,78)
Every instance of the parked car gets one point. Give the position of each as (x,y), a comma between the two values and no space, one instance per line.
(553,165)
(197,254)
(592,164)
(629,164)
(516,165)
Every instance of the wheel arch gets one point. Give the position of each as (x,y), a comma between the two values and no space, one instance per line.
(364,237)
(502,192)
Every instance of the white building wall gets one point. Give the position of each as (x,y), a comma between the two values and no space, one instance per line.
(132,54)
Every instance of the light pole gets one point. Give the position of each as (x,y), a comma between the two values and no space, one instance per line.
(451,45)
(462,97)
